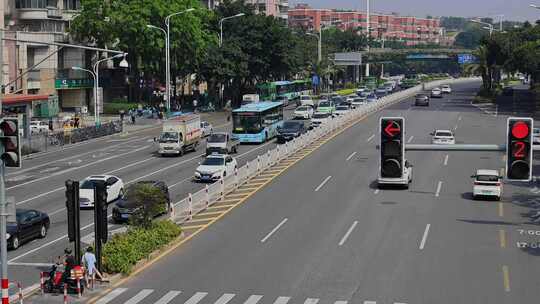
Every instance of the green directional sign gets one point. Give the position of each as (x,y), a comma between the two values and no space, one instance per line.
(73,83)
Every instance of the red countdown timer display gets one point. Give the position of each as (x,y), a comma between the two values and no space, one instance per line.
(519,149)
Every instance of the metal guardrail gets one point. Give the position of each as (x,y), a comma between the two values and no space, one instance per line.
(186,208)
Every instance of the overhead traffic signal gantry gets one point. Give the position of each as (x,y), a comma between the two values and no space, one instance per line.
(392,147)
(519,149)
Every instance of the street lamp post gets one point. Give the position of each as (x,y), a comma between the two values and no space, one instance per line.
(167,33)
(221,26)
(489,25)
(368,36)
(95,75)
(319,45)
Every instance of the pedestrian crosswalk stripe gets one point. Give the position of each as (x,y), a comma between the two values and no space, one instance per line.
(139,296)
(311,301)
(282,300)
(370,302)
(225,298)
(340,302)
(111,295)
(168,297)
(196,298)
(253,299)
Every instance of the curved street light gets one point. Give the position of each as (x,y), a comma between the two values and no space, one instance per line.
(221,26)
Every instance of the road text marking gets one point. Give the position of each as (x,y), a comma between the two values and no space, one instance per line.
(323,183)
(424,237)
(274,230)
(346,236)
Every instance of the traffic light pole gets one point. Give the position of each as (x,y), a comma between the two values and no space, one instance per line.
(3,239)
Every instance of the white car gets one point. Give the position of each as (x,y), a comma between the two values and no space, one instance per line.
(487,183)
(215,167)
(319,118)
(306,100)
(536,136)
(443,137)
(303,112)
(405,180)
(38,127)
(358,102)
(206,128)
(360,90)
(342,109)
(445,88)
(115,189)
(436,93)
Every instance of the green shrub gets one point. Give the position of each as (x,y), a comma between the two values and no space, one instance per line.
(124,250)
(346,92)
(151,201)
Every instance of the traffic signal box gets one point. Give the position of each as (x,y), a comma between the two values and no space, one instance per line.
(11,143)
(519,149)
(392,148)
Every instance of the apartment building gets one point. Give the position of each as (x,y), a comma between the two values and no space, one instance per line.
(411,30)
(276,8)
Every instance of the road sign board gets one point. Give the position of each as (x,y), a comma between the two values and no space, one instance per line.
(466,58)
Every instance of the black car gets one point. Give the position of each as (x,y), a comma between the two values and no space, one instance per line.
(290,130)
(126,206)
(30,224)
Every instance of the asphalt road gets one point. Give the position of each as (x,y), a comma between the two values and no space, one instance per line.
(323,233)
(40,185)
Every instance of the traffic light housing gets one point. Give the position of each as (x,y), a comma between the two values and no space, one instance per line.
(519,149)
(100,210)
(392,147)
(10,138)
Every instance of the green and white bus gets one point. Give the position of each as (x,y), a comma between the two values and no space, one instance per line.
(278,90)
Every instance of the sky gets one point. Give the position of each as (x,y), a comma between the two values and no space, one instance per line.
(515,10)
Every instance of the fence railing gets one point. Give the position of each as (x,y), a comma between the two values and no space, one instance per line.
(210,194)
(44,141)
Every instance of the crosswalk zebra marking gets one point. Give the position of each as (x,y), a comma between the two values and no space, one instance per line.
(311,301)
(225,298)
(111,295)
(139,296)
(196,298)
(282,300)
(340,302)
(253,299)
(370,302)
(168,297)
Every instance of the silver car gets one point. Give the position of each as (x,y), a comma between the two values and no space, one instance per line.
(421,100)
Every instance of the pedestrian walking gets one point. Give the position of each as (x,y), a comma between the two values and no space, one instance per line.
(89,261)
(133,118)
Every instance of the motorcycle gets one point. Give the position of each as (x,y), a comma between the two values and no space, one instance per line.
(56,282)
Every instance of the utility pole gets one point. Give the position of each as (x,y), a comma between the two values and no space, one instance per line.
(3,232)
(368,27)
(1,53)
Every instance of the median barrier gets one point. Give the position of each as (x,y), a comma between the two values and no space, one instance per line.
(210,194)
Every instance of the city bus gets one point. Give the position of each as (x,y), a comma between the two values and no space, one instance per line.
(290,89)
(257,122)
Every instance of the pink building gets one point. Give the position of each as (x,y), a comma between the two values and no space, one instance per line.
(412,30)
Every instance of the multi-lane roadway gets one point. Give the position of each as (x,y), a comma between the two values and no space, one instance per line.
(321,232)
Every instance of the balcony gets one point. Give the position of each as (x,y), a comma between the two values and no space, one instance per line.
(53,12)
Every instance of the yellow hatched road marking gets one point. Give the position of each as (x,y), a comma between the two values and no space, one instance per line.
(209,213)
(220,206)
(199,220)
(213,220)
(193,227)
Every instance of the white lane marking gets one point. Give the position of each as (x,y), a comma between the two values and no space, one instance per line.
(196,298)
(370,302)
(39,195)
(139,296)
(424,237)
(370,138)
(31,264)
(168,297)
(274,230)
(351,156)
(346,236)
(323,183)
(399,303)
(76,168)
(311,301)
(340,302)
(253,299)
(410,139)
(446,160)
(376,191)
(438,192)
(225,298)
(111,295)
(282,300)
(459,118)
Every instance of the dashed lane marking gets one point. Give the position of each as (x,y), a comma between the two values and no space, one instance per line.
(502,238)
(506,278)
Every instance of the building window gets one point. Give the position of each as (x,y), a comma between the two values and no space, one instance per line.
(31,3)
(72,5)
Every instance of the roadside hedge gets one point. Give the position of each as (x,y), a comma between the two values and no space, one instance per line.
(115,107)
(124,250)
(346,92)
